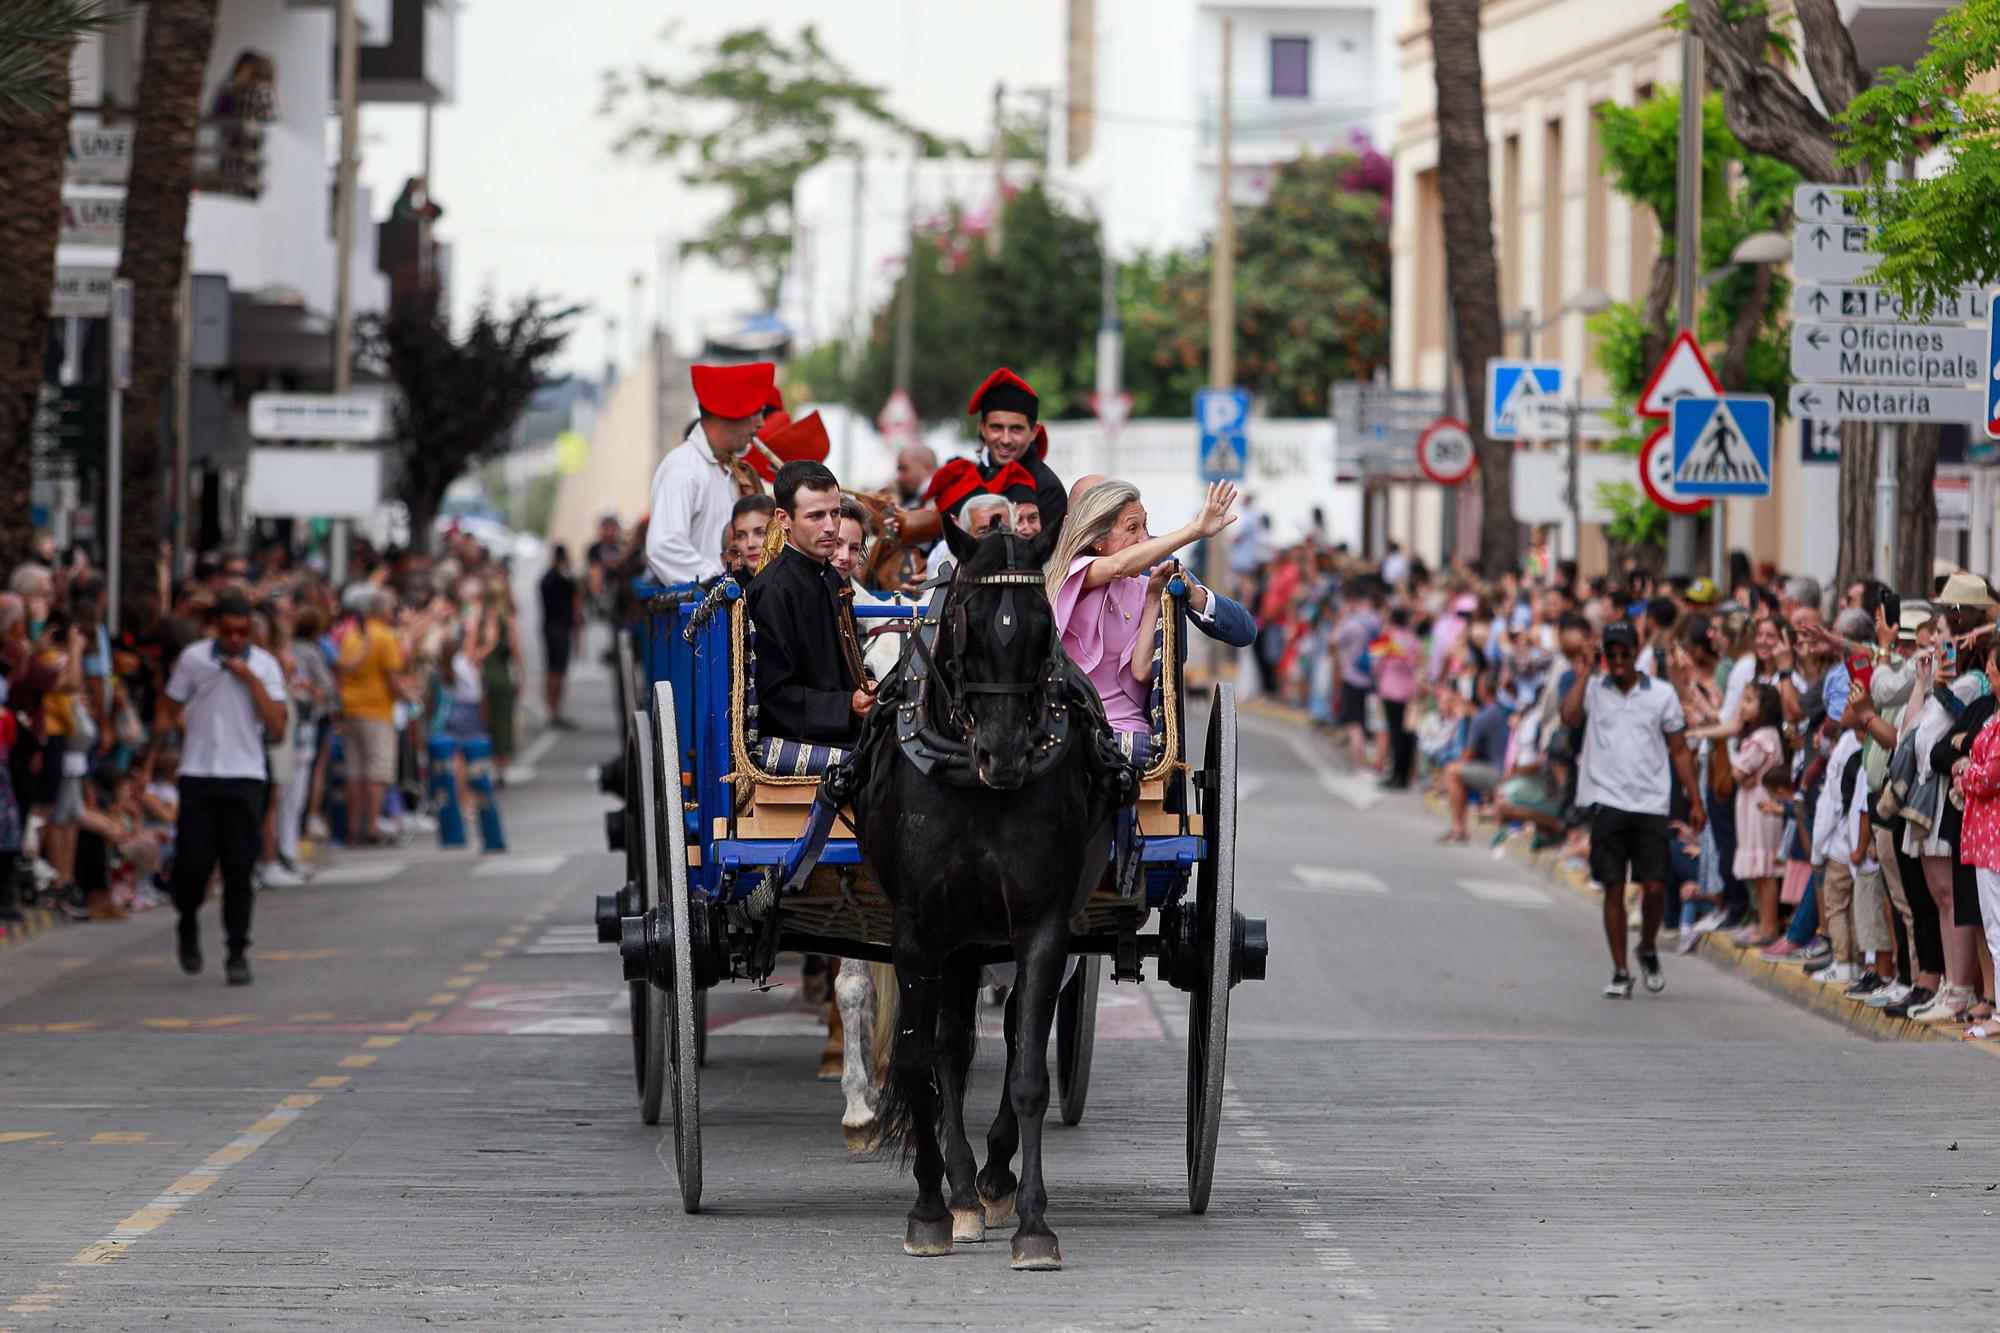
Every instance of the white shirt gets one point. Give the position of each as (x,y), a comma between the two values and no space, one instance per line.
(222,737)
(1625,763)
(1833,837)
(692,497)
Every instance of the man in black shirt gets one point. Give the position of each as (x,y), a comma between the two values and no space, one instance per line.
(807,688)
(561,617)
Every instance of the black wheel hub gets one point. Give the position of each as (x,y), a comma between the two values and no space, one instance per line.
(1250,947)
(613,908)
(614,830)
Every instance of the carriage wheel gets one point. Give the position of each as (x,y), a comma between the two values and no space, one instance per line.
(701,1026)
(686,1012)
(1076,1036)
(627,672)
(649,1017)
(638,872)
(1208,1010)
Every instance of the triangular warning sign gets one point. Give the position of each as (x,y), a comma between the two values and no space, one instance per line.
(1519,412)
(1721,455)
(1682,373)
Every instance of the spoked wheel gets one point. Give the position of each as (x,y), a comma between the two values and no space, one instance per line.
(1076,1036)
(701,1026)
(642,826)
(639,872)
(1215,906)
(686,1007)
(628,698)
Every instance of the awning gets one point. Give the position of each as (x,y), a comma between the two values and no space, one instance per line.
(278,337)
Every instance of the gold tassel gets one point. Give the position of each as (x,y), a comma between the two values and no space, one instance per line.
(774,541)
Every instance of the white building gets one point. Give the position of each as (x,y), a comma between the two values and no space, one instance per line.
(1137,130)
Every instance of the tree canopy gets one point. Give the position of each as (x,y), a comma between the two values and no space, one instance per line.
(757,113)
(35,38)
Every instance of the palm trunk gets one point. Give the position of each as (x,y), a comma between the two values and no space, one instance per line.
(178,36)
(1465,190)
(31,165)
(1857,503)
(1916,509)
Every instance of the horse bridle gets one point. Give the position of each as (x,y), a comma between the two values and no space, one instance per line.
(1049,683)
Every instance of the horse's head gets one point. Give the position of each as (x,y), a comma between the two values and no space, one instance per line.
(999,649)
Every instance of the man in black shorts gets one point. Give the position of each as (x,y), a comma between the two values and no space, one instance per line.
(1634,739)
(561,620)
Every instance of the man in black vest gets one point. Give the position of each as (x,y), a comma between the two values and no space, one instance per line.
(807,687)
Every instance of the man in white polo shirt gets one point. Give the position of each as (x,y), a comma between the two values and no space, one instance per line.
(1631,742)
(224,696)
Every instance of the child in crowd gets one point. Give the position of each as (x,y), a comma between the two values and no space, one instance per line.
(1759,825)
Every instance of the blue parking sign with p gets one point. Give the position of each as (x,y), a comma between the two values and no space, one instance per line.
(1222,415)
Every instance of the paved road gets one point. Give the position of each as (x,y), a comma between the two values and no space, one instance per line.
(423,1112)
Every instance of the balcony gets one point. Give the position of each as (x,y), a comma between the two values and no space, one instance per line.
(371,16)
(1269,128)
(1891,32)
(417,63)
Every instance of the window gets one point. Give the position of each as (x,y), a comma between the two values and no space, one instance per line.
(1291,67)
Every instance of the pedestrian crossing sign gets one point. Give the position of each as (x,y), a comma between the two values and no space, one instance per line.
(1722,446)
(1515,391)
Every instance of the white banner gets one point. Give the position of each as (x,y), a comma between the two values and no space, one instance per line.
(317,416)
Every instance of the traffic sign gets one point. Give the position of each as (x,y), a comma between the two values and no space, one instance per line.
(1722,446)
(1876,402)
(1222,415)
(898,418)
(1992,376)
(1445,452)
(1831,253)
(1967,305)
(1823,202)
(1549,419)
(318,416)
(1682,373)
(1514,390)
(1113,410)
(1945,356)
(1656,475)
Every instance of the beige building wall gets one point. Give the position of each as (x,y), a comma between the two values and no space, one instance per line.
(617,473)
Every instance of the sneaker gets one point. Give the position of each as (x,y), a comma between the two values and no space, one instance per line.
(1951,1006)
(1893,993)
(1714,921)
(237,970)
(1918,997)
(1780,952)
(71,902)
(190,956)
(1649,972)
(1870,983)
(317,828)
(1818,949)
(1619,987)
(274,875)
(1839,974)
(1689,941)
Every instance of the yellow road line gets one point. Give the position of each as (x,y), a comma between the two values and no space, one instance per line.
(475,967)
(459,983)
(118,1137)
(19,1136)
(445,997)
(357,1061)
(328,1081)
(421,1017)
(315,1017)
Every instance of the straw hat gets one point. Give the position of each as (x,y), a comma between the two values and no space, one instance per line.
(1963,589)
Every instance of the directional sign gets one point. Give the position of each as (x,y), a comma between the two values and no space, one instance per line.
(1869,402)
(1222,415)
(1656,474)
(1445,451)
(1992,377)
(1823,252)
(1945,357)
(1514,392)
(317,416)
(1823,203)
(1967,305)
(1722,446)
(1682,372)
(1549,419)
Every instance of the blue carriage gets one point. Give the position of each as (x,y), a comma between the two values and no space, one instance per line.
(724,867)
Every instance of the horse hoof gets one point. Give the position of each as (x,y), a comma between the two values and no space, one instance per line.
(998,1211)
(968,1226)
(928,1240)
(860,1139)
(1036,1254)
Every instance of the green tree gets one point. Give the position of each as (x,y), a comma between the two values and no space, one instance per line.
(32,84)
(457,397)
(758,113)
(1312,274)
(1934,235)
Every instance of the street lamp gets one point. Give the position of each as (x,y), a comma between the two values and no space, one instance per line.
(1589,301)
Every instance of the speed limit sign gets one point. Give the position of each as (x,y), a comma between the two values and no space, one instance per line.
(1445,453)
(1656,474)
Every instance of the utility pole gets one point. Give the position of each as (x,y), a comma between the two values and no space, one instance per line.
(1687,263)
(999,166)
(1110,348)
(1888,444)
(1222,265)
(851,335)
(343,245)
(177,492)
(906,300)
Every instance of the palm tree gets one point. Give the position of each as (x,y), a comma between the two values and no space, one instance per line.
(36,38)
(1465,192)
(179,34)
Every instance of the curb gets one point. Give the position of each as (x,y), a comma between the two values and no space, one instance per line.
(34,920)
(1786,982)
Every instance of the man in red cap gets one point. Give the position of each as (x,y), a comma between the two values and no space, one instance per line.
(1009,437)
(694,488)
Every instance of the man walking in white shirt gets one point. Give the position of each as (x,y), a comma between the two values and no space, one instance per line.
(695,487)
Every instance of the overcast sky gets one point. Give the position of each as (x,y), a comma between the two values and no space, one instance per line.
(536,200)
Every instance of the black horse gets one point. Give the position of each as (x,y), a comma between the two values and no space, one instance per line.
(987,788)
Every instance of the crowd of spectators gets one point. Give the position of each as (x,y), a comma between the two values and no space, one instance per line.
(1849,779)
(89,757)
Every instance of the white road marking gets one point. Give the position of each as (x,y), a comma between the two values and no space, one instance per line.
(360,872)
(510,867)
(1326,879)
(537,748)
(1355,790)
(1510,892)
(566,939)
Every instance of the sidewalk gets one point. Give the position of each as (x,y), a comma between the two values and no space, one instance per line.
(1786,982)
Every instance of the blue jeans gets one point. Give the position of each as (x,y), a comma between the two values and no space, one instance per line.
(1722,824)
(1805,917)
